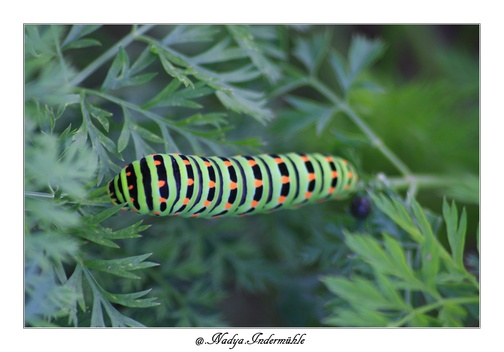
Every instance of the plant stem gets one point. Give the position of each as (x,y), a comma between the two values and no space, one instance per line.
(153,116)
(431,181)
(432,306)
(160,120)
(108,55)
(38,194)
(375,140)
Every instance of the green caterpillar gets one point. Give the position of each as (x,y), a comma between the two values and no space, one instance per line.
(209,187)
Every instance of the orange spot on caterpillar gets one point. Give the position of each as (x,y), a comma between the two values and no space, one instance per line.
(334,174)
(132,199)
(350,174)
(190,182)
(285,179)
(281,199)
(195,215)
(308,195)
(233,185)
(156,213)
(279,160)
(305,158)
(258,183)
(345,162)
(208,164)
(162,200)
(207,203)
(329,158)
(254,203)
(161,183)
(252,162)
(157,162)
(130,187)
(186,201)
(128,173)
(331,190)
(311,177)
(228,205)
(187,162)
(227,163)
(211,184)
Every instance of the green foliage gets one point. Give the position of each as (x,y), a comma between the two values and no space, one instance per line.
(94,103)
(52,229)
(435,290)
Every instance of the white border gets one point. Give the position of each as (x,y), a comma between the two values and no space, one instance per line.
(256,12)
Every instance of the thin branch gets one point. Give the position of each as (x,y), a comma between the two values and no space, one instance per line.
(108,55)
(376,141)
(423,180)
(39,195)
(373,137)
(432,306)
(160,120)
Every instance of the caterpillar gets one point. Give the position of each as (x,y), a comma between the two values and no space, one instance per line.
(210,187)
